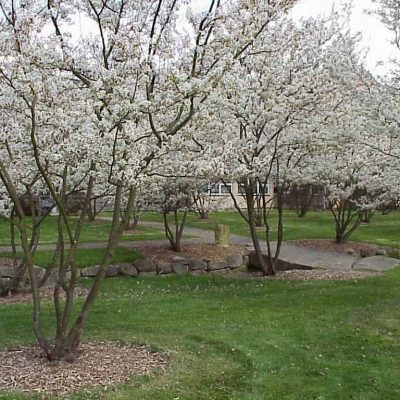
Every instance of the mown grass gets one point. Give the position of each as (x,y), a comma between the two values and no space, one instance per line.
(382,230)
(84,257)
(92,232)
(245,339)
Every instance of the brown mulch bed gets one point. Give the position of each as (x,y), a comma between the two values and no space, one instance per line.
(327,244)
(45,294)
(203,251)
(103,364)
(315,275)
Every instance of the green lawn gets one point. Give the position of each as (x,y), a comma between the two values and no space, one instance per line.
(233,339)
(93,232)
(85,257)
(383,229)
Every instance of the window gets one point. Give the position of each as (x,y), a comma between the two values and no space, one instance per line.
(317,190)
(257,188)
(220,188)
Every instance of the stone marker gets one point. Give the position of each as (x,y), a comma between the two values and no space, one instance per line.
(222,235)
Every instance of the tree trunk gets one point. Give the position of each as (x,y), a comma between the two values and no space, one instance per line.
(347,219)
(174,236)
(66,346)
(267,267)
(303,199)
(366,216)
(199,204)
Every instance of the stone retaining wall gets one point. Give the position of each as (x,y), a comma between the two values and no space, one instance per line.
(146,267)
(178,266)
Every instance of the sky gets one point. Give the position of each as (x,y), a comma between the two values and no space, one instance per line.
(375,37)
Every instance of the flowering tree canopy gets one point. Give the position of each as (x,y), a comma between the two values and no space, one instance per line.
(102,110)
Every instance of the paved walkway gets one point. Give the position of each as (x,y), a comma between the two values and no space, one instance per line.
(333,260)
(303,256)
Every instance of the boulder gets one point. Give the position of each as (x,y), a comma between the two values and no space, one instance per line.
(376,263)
(283,265)
(7,272)
(180,265)
(145,265)
(90,272)
(52,278)
(154,273)
(224,271)
(196,264)
(199,273)
(215,265)
(5,282)
(367,252)
(381,252)
(112,271)
(128,270)
(393,252)
(164,267)
(40,272)
(235,261)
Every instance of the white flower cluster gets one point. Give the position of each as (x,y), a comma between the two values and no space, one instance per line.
(135,100)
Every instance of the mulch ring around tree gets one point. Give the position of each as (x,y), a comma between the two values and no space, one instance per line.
(332,245)
(46,294)
(206,251)
(100,365)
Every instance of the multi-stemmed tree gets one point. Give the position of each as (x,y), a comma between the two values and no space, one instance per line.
(96,112)
(274,108)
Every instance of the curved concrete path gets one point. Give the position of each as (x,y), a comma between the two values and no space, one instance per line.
(304,256)
(311,258)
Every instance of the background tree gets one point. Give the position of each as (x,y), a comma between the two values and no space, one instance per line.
(271,106)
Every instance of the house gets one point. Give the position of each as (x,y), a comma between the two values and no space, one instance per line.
(308,196)
(221,194)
